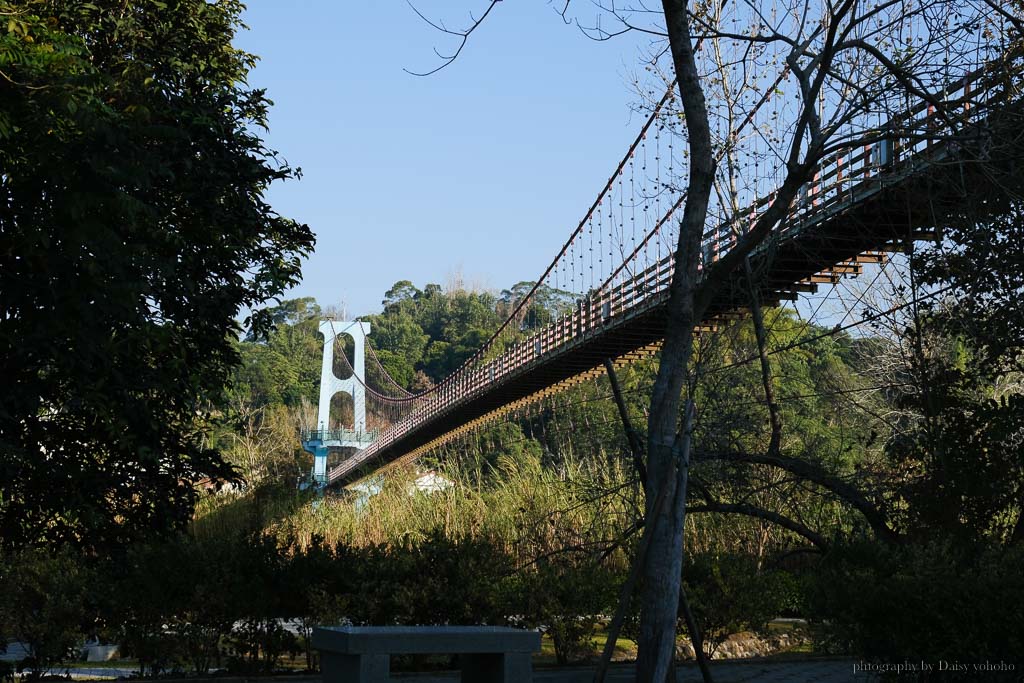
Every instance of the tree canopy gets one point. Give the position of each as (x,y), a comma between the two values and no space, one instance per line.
(133,228)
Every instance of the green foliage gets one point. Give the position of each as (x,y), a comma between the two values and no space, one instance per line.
(806,376)
(430,330)
(958,443)
(133,228)
(829,421)
(930,601)
(730,593)
(546,305)
(565,594)
(267,402)
(401,343)
(982,262)
(264,575)
(288,313)
(960,449)
(400,293)
(173,619)
(47,604)
(283,367)
(964,462)
(226,599)
(435,580)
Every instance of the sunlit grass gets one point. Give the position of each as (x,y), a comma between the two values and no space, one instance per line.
(522,506)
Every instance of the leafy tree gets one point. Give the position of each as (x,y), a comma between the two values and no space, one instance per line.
(565,594)
(982,261)
(264,376)
(964,467)
(265,577)
(319,600)
(133,228)
(401,342)
(173,619)
(964,451)
(401,291)
(291,312)
(544,307)
(730,594)
(430,331)
(268,399)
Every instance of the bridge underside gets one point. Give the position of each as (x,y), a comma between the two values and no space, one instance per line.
(887,216)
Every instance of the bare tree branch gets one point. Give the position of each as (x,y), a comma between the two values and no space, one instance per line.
(812,472)
(760,513)
(463,36)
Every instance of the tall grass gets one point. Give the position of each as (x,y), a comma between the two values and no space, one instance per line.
(587,505)
(527,509)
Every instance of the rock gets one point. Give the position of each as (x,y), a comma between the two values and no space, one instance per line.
(684,650)
(743,645)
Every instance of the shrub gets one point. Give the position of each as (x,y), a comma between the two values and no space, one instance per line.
(729,593)
(45,603)
(565,595)
(929,601)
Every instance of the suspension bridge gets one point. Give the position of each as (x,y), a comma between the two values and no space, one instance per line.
(604,296)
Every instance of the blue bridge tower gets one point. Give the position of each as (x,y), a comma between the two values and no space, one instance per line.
(323,438)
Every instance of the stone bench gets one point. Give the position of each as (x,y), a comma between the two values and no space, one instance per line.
(487,654)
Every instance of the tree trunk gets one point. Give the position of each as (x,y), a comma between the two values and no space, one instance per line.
(636,445)
(662,570)
(775,444)
(624,595)
(695,638)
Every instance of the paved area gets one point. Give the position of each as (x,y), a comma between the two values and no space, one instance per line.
(764,671)
(816,671)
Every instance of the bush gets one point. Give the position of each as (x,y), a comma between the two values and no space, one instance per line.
(729,593)
(178,619)
(927,602)
(565,595)
(45,603)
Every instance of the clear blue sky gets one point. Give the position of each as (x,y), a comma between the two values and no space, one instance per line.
(483,168)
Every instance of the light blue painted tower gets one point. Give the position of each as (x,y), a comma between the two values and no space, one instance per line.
(320,441)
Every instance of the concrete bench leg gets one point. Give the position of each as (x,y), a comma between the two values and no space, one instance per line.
(510,667)
(338,668)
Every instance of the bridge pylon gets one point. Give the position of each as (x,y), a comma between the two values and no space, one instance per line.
(323,438)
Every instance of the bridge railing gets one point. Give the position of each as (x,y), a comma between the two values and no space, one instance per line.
(849,175)
(340,434)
